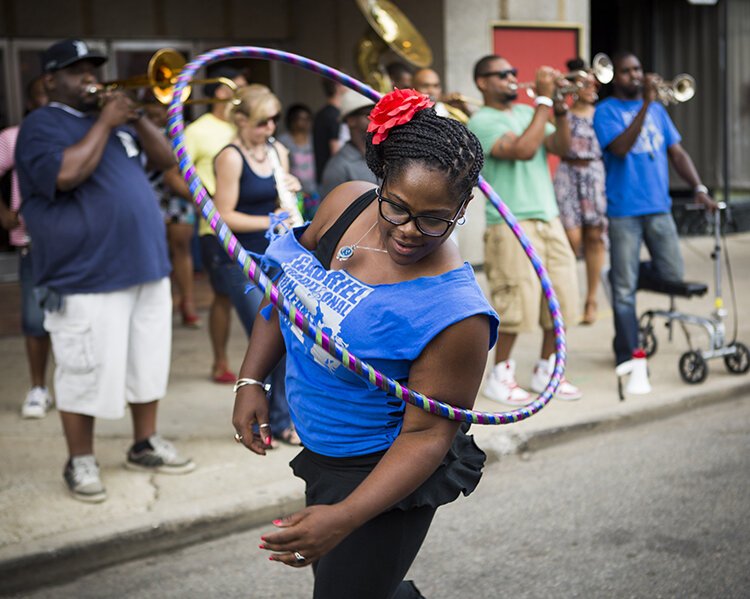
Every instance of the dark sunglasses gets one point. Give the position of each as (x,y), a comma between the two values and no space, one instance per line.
(275,118)
(396,214)
(504,74)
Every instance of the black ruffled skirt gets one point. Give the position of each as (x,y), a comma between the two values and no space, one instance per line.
(330,480)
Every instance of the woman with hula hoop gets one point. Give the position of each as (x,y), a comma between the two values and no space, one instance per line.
(375,267)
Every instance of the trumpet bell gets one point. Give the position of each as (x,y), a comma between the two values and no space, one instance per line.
(163,69)
(683,87)
(603,68)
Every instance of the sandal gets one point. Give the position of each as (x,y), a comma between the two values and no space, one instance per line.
(225,377)
(589,312)
(190,319)
(290,437)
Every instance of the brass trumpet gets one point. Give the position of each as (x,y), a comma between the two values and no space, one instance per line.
(572,86)
(680,89)
(161,76)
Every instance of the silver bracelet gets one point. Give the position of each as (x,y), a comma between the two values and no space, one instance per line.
(244,382)
(700,189)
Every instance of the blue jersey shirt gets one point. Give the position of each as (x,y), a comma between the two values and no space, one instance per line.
(104,235)
(336,413)
(637,184)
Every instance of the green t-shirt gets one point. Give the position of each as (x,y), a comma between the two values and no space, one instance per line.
(524,185)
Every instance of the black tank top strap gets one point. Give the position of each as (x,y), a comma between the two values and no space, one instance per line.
(330,239)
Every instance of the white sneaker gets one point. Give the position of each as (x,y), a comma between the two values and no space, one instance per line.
(566,391)
(38,401)
(160,456)
(82,477)
(501,386)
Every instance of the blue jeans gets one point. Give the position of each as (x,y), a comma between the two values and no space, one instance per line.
(659,233)
(32,315)
(228,279)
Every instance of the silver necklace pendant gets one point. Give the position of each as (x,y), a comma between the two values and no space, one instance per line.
(345,252)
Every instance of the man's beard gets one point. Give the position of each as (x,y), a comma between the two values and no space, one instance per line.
(632,92)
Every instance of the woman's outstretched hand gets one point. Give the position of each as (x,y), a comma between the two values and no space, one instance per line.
(308,534)
(251,407)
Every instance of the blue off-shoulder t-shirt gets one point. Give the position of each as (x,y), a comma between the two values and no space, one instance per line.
(336,413)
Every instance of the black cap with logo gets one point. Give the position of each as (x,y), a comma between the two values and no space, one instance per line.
(67,52)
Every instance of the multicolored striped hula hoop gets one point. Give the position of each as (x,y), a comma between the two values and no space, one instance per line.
(175,128)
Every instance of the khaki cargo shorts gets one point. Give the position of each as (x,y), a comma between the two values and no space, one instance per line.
(515,289)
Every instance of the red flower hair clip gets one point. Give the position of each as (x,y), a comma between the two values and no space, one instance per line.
(395,108)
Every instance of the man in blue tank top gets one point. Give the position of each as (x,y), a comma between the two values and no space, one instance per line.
(100,261)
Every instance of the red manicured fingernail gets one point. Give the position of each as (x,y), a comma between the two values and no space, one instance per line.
(261,546)
(270,559)
(268,440)
(275,523)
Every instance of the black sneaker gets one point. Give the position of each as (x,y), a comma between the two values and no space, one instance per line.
(81,474)
(160,456)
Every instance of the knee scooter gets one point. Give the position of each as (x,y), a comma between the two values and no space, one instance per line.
(694,363)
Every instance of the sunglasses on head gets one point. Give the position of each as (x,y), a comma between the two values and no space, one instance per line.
(504,74)
(264,123)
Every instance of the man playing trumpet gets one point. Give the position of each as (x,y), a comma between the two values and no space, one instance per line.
(100,261)
(639,141)
(516,139)
(452,106)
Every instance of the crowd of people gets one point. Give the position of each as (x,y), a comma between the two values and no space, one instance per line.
(375,258)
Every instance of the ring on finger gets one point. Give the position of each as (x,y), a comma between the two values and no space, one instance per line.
(264,426)
(238,437)
(299,557)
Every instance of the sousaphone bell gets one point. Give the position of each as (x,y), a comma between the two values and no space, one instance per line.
(390,30)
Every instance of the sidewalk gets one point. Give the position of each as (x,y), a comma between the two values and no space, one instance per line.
(45,535)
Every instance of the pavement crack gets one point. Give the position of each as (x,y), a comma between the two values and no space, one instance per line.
(153,481)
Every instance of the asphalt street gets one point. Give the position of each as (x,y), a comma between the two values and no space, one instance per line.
(657,510)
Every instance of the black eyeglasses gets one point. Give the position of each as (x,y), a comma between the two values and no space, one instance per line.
(396,214)
(275,118)
(504,74)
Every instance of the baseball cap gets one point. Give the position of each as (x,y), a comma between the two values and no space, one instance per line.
(352,101)
(67,52)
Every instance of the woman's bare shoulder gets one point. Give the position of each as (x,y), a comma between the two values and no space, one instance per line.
(229,155)
(332,206)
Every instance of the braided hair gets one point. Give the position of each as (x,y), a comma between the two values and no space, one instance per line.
(438,143)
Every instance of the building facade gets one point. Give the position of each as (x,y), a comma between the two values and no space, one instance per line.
(670,36)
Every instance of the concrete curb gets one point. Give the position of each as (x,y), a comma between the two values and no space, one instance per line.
(69,556)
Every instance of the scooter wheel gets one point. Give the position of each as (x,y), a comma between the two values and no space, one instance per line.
(739,361)
(693,368)
(648,340)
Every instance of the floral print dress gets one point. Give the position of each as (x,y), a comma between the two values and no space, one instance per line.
(580,188)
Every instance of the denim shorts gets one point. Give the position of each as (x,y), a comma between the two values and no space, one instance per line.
(227,279)
(32,315)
